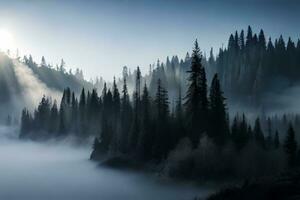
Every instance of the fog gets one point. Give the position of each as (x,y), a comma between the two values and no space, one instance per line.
(35,171)
(31,87)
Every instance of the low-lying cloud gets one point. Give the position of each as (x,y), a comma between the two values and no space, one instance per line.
(33,171)
(31,87)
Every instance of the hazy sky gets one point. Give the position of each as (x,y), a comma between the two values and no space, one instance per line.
(102,36)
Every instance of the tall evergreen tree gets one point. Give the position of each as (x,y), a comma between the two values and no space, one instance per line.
(196,97)
(126,118)
(135,132)
(116,98)
(262,40)
(161,145)
(26,123)
(82,112)
(249,37)
(258,134)
(146,142)
(218,129)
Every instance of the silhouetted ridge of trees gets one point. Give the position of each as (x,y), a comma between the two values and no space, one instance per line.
(58,77)
(251,68)
(252,65)
(193,138)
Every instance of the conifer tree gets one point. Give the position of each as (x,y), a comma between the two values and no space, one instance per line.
(196,97)
(146,142)
(116,98)
(262,40)
(126,117)
(42,114)
(134,138)
(43,62)
(249,37)
(242,40)
(258,134)
(161,145)
(218,129)
(26,123)
(82,112)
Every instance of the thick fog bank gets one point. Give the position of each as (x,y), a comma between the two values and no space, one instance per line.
(32,171)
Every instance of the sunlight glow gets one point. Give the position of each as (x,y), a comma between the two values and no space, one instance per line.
(6,40)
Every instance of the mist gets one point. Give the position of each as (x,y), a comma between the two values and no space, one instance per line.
(52,170)
(32,88)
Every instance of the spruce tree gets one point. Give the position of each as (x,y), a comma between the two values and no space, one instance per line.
(26,123)
(249,37)
(218,129)
(262,40)
(146,142)
(82,112)
(42,114)
(135,131)
(161,145)
(258,134)
(126,118)
(116,98)
(196,103)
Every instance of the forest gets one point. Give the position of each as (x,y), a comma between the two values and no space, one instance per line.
(176,119)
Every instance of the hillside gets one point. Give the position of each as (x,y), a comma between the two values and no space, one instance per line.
(23,83)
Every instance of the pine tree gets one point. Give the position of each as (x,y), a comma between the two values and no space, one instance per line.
(196,98)
(218,121)
(43,62)
(290,146)
(135,131)
(161,145)
(126,118)
(26,123)
(249,37)
(258,134)
(242,40)
(74,113)
(42,114)
(262,40)
(82,112)
(146,142)
(116,98)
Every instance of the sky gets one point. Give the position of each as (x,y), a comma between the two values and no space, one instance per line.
(100,37)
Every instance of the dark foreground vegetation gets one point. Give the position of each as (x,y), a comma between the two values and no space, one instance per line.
(284,186)
(190,136)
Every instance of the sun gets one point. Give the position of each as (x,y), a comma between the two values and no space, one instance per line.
(6,40)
